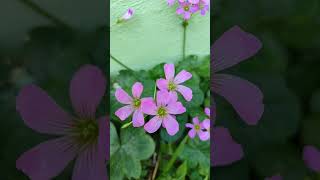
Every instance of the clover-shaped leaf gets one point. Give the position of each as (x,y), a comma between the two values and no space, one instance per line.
(134,145)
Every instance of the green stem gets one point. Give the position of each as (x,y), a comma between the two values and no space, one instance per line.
(36,8)
(175,155)
(120,63)
(185,25)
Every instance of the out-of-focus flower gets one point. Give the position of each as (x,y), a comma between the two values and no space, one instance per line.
(203,6)
(133,105)
(163,111)
(127,15)
(276,177)
(197,128)
(186,9)
(311,157)
(230,49)
(173,83)
(83,136)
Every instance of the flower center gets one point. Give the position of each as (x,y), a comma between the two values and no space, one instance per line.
(162,112)
(186,8)
(171,86)
(136,103)
(197,127)
(86,131)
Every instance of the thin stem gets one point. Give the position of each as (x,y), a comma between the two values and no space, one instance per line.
(185,25)
(156,167)
(120,63)
(36,8)
(175,155)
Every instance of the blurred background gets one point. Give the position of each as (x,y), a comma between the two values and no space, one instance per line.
(287,71)
(45,43)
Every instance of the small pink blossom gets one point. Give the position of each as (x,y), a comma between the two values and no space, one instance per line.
(163,111)
(198,128)
(173,83)
(203,6)
(133,105)
(126,16)
(186,9)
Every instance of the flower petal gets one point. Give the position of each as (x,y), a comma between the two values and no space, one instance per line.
(176,108)
(163,98)
(180,10)
(148,106)
(225,149)
(169,71)
(137,118)
(185,91)
(171,124)
(137,89)
(90,165)
(187,15)
(207,111)
(189,125)
(311,157)
(122,96)
(48,159)
(87,88)
(205,124)
(171,2)
(41,113)
(124,112)
(232,47)
(195,120)
(192,133)
(244,96)
(276,177)
(162,84)
(182,77)
(153,124)
(204,135)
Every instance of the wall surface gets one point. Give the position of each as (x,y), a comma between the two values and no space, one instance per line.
(154,34)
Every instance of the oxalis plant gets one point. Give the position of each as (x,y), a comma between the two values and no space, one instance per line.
(160,118)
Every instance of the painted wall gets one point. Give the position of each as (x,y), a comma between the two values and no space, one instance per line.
(154,34)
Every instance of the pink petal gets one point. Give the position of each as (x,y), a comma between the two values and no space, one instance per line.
(277,177)
(173,96)
(89,165)
(207,111)
(187,15)
(137,89)
(48,159)
(189,125)
(193,1)
(204,135)
(153,125)
(124,112)
(171,124)
(182,77)
(311,157)
(180,11)
(162,84)
(163,98)
(123,96)
(206,124)
(137,119)
(225,150)
(176,108)
(185,91)
(41,113)
(171,2)
(148,106)
(128,15)
(195,120)
(192,133)
(232,47)
(169,71)
(244,96)
(87,88)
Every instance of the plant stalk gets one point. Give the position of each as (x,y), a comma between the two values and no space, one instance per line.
(120,63)
(185,25)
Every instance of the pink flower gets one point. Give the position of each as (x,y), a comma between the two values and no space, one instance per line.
(163,111)
(172,84)
(197,128)
(128,14)
(203,6)
(186,9)
(133,105)
(171,2)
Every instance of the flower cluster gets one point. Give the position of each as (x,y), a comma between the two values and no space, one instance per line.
(188,7)
(164,108)
(201,129)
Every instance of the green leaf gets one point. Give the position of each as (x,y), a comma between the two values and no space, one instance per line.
(182,171)
(182,120)
(114,140)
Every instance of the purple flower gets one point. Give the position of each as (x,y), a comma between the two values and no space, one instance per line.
(186,9)
(276,177)
(233,47)
(173,84)
(128,14)
(83,136)
(133,105)
(203,6)
(163,111)
(311,157)
(197,128)
(225,150)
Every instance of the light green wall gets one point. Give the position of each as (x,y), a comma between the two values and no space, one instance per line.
(154,34)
